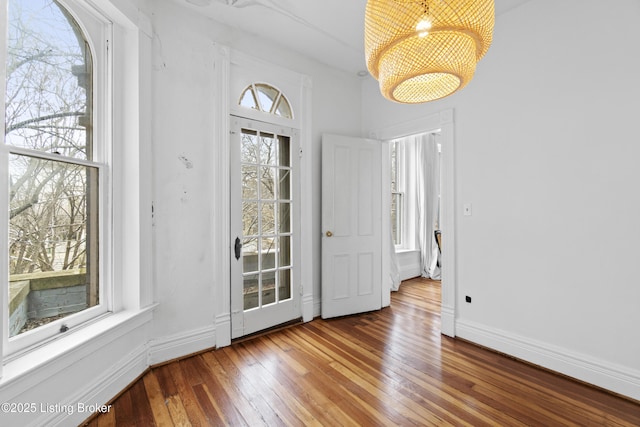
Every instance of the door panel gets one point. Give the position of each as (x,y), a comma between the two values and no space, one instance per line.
(351,224)
(264,219)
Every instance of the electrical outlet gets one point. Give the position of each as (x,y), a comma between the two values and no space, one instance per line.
(466,209)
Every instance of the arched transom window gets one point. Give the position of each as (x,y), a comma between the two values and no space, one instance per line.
(266,98)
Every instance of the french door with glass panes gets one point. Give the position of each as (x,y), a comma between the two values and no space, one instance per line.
(265,226)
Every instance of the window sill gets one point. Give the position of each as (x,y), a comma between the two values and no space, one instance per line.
(405,251)
(74,346)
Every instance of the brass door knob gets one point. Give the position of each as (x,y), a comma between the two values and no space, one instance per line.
(329,234)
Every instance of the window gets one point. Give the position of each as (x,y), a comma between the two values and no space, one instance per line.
(266,98)
(397,193)
(407,187)
(55,175)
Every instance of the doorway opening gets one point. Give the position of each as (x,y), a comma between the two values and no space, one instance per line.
(442,122)
(415,165)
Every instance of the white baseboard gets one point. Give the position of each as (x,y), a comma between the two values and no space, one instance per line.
(317,308)
(182,344)
(615,378)
(105,386)
(223,330)
(108,384)
(307,308)
(447,321)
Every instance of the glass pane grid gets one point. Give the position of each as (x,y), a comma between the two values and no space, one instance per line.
(266,197)
(267,95)
(266,98)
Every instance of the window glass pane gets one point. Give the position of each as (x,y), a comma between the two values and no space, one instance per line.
(268,287)
(284,156)
(396,218)
(250,290)
(250,255)
(284,217)
(284,184)
(268,253)
(249,179)
(249,147)
(396,194)
(49,81)
(248,99)
(53,240)
(268,218)
(267,149)
(267,183)
(267,96)
(284,253)
(394,166)
(283,109)
(249,218)
(284,285)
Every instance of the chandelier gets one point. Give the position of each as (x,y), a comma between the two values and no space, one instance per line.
(423,50)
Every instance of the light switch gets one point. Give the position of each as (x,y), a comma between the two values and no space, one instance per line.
(467,209)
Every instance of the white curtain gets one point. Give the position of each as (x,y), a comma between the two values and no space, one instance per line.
(427,198)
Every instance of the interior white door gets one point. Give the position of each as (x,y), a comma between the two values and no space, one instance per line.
(265,226)
(351,225)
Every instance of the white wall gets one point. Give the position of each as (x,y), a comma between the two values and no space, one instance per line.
(183,134)
(546,151)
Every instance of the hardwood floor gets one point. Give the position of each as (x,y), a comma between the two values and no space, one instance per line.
(391,367)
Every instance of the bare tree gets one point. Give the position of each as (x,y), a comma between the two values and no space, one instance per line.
(46,102)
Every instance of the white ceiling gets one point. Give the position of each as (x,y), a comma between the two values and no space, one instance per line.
(329,31)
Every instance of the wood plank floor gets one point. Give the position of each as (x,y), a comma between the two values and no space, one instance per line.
(391,367)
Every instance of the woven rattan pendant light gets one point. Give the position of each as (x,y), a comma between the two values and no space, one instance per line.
(422,50)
